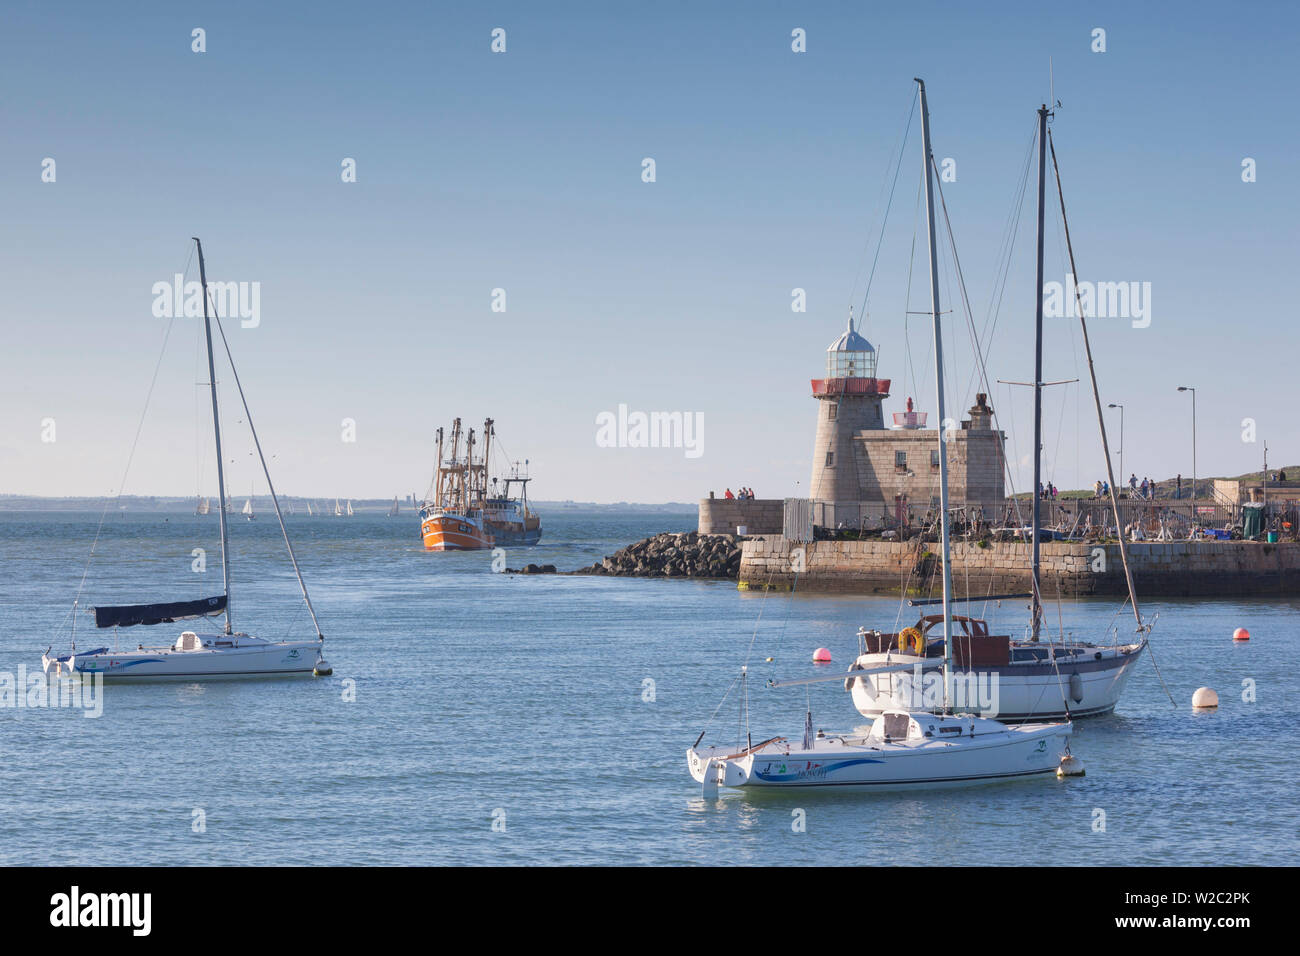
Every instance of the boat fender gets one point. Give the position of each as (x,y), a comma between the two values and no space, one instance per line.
(1076,688)
(849,682)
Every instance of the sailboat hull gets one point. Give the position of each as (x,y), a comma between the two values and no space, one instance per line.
(1014,754)
(1091,684)
(256,658)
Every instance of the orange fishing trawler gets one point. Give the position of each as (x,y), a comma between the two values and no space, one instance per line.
(451,518)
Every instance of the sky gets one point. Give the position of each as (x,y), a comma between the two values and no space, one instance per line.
(522,171)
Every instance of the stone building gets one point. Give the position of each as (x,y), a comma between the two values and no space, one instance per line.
(865,472)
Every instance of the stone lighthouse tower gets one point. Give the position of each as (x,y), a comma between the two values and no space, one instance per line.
(848,401)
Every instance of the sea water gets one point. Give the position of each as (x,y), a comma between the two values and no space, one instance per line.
(476,717)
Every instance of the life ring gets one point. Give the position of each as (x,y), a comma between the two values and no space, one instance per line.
(915,636)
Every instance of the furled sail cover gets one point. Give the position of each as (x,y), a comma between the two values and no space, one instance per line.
(128,614)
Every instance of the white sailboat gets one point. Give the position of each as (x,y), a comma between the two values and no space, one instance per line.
(248,510)
(338,509)
(904,749)
(392,512)
(1035,680)
(349,507)
(196,655)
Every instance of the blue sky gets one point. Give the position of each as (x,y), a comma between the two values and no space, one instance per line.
(522,171)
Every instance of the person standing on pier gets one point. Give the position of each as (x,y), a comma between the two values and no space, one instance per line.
(1178,493)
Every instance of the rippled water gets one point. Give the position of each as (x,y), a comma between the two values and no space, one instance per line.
(479,695)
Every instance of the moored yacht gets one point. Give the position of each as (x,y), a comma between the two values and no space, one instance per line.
(996,676)
(905,748)
(902,751)
(1026,679)
(197,656)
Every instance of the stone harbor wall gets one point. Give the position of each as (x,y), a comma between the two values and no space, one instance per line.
(756,515)
(1172,568)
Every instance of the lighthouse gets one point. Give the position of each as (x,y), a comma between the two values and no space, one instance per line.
(849,401)
(866,474)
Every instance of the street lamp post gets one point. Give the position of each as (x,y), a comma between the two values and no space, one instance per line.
(1121,439)
(1188,388)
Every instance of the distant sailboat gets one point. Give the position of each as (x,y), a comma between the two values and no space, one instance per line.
(349,507)
(338,509)
(309,511)
(247,512)
(392,512)
(203,507)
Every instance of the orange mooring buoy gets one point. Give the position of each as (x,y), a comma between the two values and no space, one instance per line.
(1241,634)
(822,656)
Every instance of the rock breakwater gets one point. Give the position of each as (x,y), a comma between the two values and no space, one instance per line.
(686,555)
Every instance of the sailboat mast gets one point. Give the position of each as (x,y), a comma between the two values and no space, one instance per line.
(1037,606)
(928,163)
(1096,398)
(216,431)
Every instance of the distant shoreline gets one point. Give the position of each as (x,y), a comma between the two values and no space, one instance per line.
(185,505)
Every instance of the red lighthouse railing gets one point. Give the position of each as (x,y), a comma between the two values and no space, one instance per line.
(850,386)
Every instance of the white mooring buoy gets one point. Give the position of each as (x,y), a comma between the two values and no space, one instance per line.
(1205,699)
(1070,766)
(322,669)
